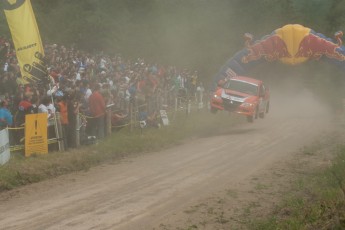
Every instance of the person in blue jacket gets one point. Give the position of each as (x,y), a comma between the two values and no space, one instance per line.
(6,118)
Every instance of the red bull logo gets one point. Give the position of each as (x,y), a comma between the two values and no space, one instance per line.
(271,48)
(291,44)
(314,47)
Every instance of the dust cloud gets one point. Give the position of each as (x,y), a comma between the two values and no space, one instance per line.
(291,98)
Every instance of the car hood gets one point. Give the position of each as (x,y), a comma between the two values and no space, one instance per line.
(236,96)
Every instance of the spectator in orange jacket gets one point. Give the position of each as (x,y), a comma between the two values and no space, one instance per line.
(62,108)
(97,109)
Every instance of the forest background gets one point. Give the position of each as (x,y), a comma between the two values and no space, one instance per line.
(193,34)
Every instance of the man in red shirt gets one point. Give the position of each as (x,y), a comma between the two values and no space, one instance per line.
(97,109)
(25,107)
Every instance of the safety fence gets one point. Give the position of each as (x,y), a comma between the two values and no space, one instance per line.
(138,113)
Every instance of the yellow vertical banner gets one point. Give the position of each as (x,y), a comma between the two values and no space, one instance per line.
(27,40)
(36,135)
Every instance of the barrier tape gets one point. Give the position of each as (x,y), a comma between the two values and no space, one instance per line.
(83,117)
(142,105)
(16,128)
(119,126)
(88,117)
(14,148)
(183,101)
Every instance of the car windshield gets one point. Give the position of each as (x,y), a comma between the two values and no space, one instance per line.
(241,86)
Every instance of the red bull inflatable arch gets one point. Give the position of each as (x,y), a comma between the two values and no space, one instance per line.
(291,44)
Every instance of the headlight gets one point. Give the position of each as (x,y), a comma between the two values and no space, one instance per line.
(246,104)
(216,96)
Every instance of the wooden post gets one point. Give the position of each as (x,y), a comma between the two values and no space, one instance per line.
(77,133)
(159,101)
(59,134)
(188,105)
(108,121)
(131,116)
(135,113)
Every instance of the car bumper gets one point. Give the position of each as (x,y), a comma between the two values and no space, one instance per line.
(217,104)
(239,109)
(245,113)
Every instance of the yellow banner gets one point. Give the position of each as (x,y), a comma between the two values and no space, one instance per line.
(27,40)
(36,135)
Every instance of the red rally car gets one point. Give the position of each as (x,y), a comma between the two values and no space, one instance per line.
(242,95)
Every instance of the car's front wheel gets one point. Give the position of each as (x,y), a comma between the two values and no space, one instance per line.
(250,119)
(214,110)
(254,116)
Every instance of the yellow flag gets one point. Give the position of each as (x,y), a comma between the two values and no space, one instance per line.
(27,40)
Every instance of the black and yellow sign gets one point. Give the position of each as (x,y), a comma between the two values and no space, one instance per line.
(27,40)
(36,135)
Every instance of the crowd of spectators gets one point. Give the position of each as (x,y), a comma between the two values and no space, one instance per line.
(81,82)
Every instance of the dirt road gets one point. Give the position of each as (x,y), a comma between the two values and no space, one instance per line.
(154,191)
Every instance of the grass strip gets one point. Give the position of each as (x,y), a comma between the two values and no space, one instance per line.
(22,170)
(317,203)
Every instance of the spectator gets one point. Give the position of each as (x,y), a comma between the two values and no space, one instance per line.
(12,84)
(200,89)
(152,120)
(193,86)
(46,106)
(73,106)
(97,110)
(148,119)
(51,108)
(43,107)
(25,107)
(35,103)
(62,108)
(119,120)
(124,82)
(6,117)
(88,91)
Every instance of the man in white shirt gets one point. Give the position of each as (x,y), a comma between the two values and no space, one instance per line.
(88,92)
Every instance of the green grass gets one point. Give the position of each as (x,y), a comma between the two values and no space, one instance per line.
(317,203)
(22,170)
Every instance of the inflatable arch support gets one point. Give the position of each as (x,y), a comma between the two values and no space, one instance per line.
(291,44)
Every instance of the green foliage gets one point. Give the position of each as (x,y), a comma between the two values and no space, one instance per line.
(175,31)
(335,16)
(195,34)
(320,204)
(313,13)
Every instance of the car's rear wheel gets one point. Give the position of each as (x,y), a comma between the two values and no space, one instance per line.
(256,113)
(262,114)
